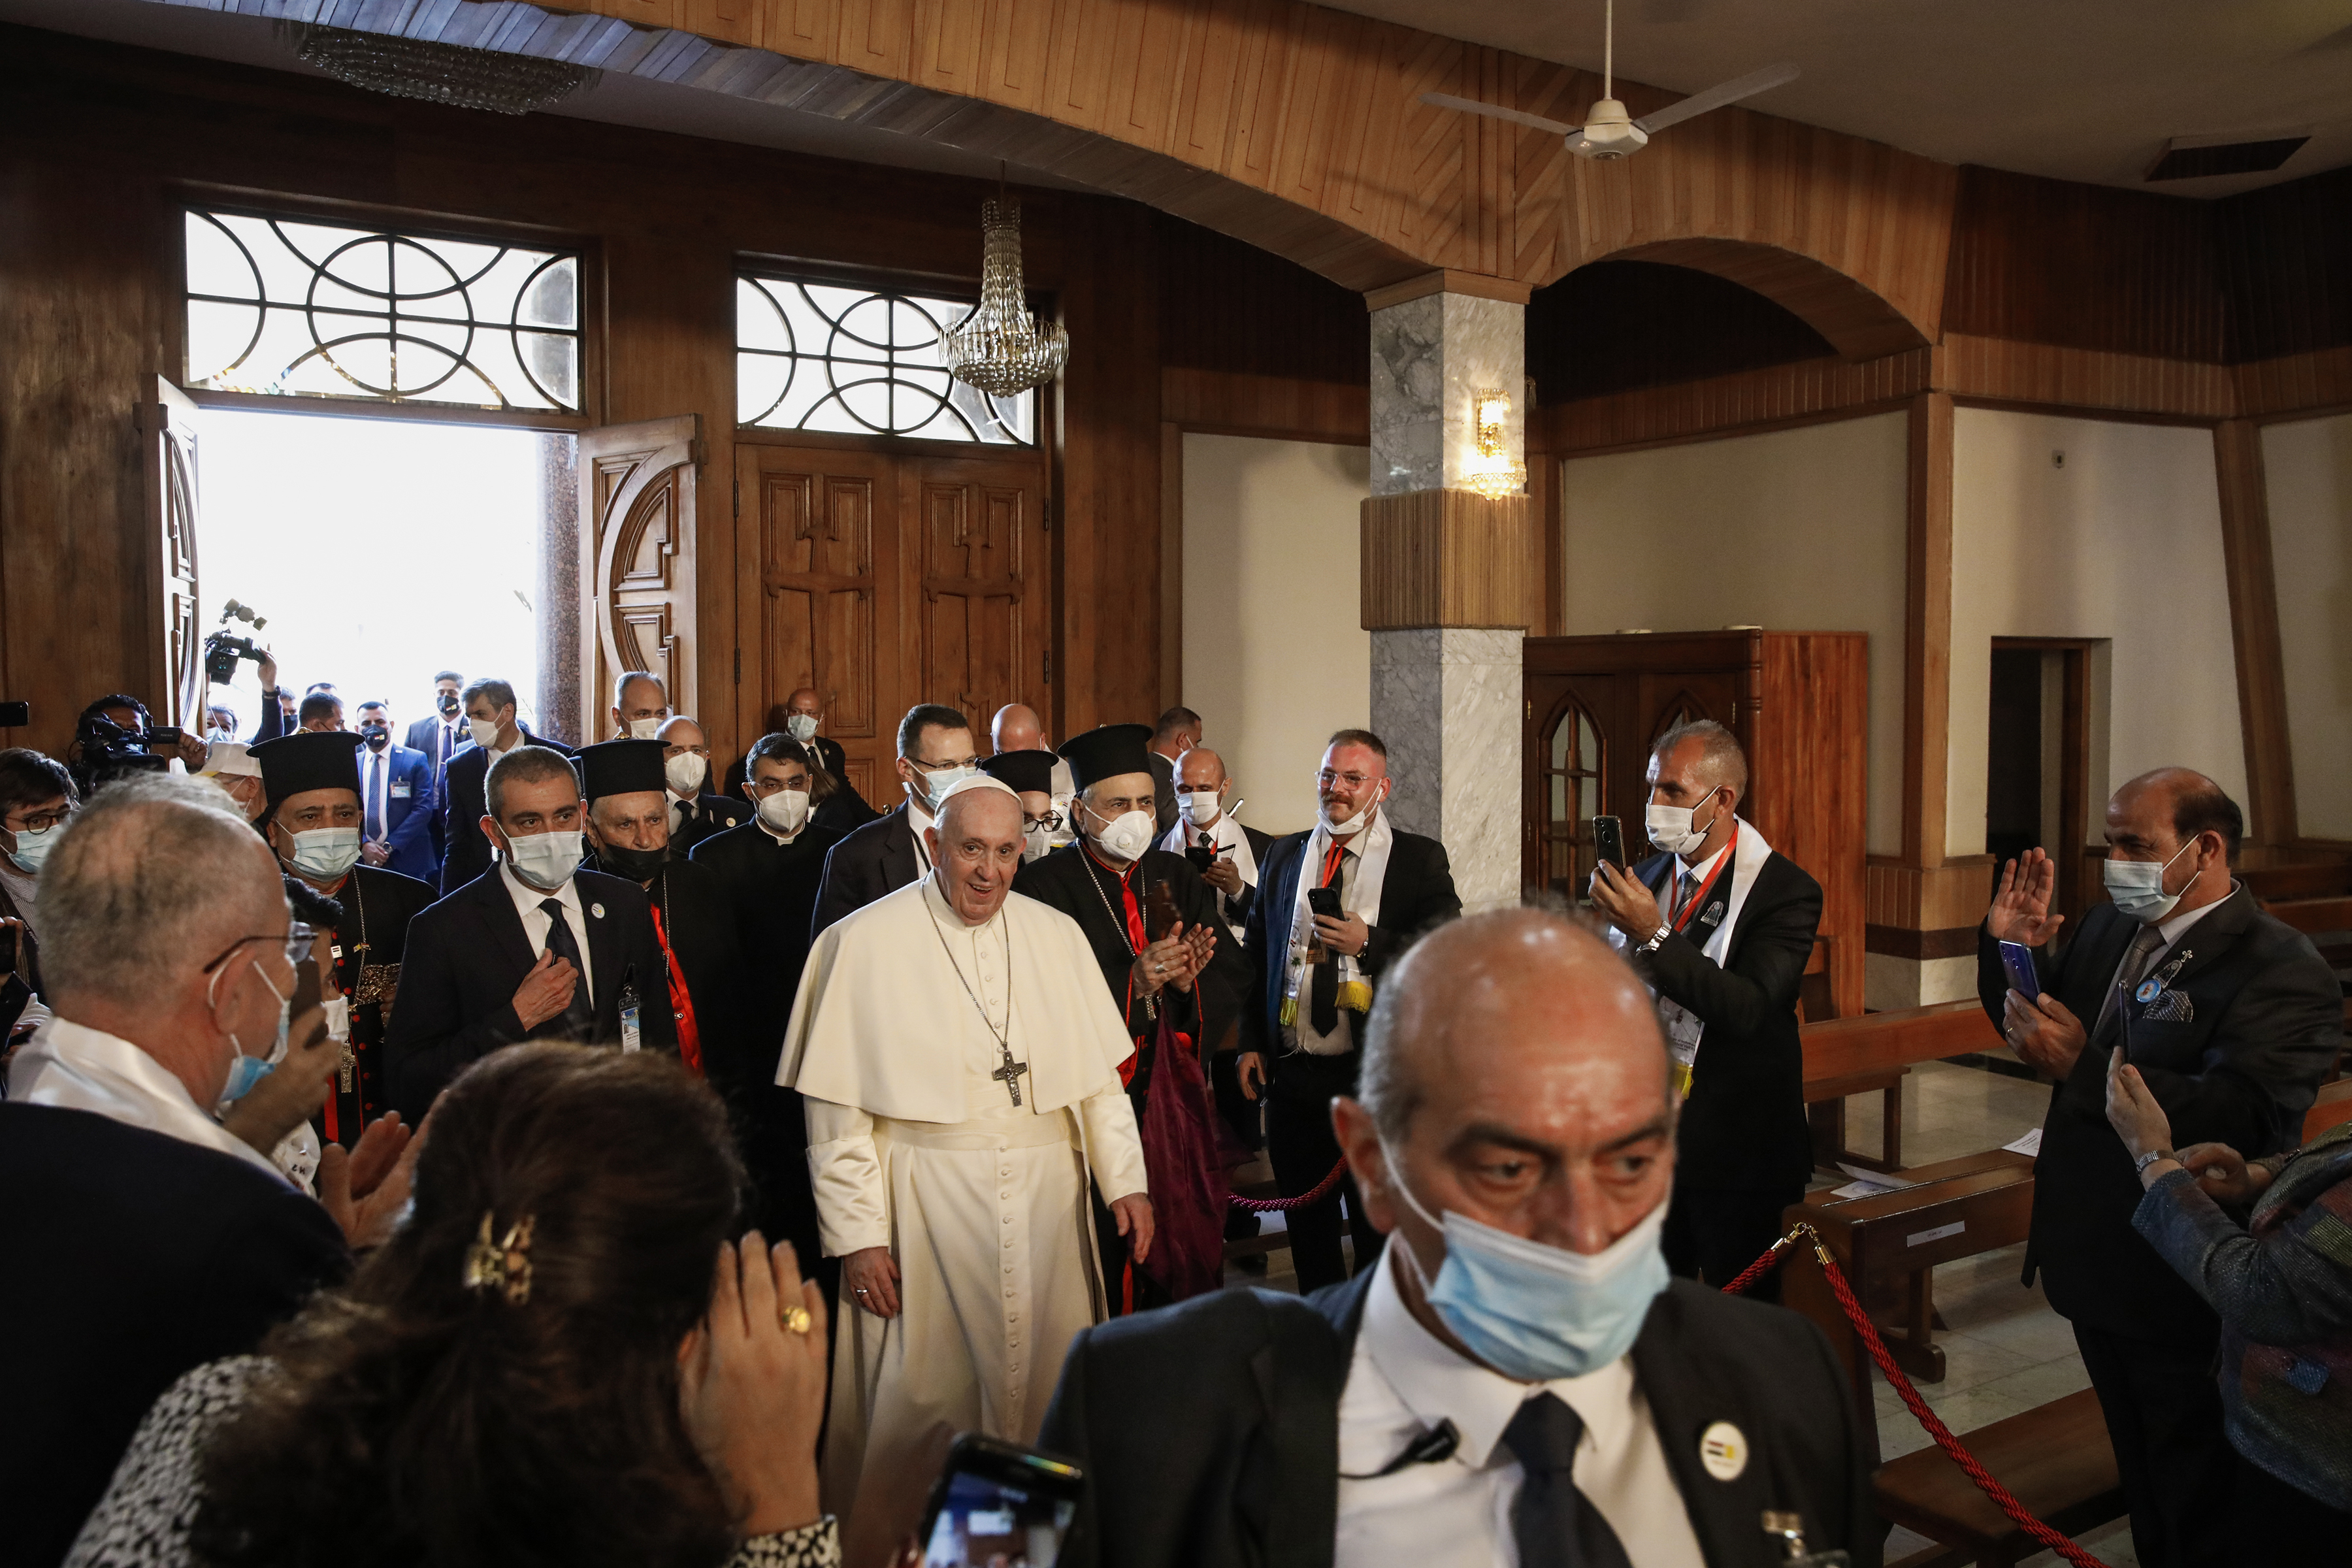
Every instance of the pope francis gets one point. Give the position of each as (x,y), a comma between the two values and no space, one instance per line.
(958,1060)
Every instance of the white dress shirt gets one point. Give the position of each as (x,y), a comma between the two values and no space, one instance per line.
(535,923)
(919,822)
(75,1067)
(1457,1513)
(1226,836)
(1682,869)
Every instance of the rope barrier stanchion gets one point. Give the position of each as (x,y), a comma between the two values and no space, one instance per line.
(1868,1332)
(1322,1190)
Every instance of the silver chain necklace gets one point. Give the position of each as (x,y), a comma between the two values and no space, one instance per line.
(1151,1005)
(1008,1071)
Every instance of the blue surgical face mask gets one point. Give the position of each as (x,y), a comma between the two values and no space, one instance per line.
(2137,886)
(245,1071)
(1537,1313)
(33,846)
(324,854)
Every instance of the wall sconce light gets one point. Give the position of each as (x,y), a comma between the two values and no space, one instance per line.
(1494,473)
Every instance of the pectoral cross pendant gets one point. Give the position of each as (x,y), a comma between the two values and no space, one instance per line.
(1009,1074)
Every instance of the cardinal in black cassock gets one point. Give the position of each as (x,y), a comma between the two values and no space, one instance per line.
(1127,898)
(310,784)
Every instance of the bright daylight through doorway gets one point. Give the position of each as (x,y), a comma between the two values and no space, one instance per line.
(380,551)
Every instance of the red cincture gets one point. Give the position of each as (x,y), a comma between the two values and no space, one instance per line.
(690,1037)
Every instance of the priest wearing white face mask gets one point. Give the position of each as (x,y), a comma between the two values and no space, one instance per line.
(533,949)
(770,867)
(493,723)
(2232,1020)
(360,914)
(695,814)
(1162,966)
(935,754)
(960,1065)
(143,1237)
(1518,1380)
(1720,927)
(1313,976)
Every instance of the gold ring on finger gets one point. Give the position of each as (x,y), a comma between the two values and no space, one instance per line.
(796,1319)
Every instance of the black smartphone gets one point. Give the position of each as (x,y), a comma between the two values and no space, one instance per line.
(1203,855)
(2018,960)
(998,1503)
(1324,902)
(1609,841)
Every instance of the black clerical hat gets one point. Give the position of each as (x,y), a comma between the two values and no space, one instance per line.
(1025,773)
(622,767)
(1109,752)
(308,760)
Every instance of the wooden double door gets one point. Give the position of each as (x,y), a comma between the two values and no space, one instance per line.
(889,578)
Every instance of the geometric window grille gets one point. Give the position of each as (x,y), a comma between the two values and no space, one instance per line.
(1570,765)
(813,356)
(319,310)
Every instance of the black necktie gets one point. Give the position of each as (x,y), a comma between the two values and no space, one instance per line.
(1556,1526)
(578,1016)
(375,828)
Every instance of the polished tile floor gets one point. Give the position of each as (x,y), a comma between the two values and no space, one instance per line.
(2005,1351)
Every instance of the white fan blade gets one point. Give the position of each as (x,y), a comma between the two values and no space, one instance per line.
(1715,96)
(1472,106)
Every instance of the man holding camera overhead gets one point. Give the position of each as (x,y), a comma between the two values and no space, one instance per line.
(1719,925)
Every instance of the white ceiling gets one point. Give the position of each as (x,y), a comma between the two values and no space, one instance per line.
(2079,89)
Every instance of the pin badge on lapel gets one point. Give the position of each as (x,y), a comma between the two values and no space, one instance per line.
(596,910)
(2146,992)
(1723,1450)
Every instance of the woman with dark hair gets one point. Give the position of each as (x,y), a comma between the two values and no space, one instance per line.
(538,1367)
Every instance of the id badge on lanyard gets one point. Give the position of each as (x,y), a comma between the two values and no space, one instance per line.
(632,1036)
(1683,1026)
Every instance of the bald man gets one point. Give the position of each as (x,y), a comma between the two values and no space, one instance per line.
(1016,728)
(1514,1131)
(801,718)
(2232,1019)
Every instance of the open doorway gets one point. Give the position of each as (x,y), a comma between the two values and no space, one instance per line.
(380,551)
(2038,757)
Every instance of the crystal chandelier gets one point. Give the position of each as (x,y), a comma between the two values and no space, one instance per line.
(438,73)
(1001,348)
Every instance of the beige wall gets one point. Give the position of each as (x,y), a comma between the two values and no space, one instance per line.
(1797,531)
(2123,542)
(2307,470)
(1275,655)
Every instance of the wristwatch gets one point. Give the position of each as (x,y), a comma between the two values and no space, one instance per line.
(2141,1164)
(1657,938)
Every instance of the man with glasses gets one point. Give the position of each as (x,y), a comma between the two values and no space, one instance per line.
(695,814)
(1030,775)
(935,754)
(144,1238)
(37,796)
(1313,972)
(533,949)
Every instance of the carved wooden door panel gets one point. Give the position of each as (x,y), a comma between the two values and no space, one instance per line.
(823,522)
(637,560)
(169,426)
(982,619)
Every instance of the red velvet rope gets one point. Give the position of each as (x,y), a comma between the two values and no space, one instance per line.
(2001,1496)
(1323,1189)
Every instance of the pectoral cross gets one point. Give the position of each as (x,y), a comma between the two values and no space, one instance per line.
(1009,1074)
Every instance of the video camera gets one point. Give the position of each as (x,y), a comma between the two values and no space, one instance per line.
(106,744)
(222,650)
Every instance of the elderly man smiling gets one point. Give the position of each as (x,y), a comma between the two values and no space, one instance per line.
(1518,1380)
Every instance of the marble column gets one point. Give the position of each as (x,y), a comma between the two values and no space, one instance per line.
(1447,588)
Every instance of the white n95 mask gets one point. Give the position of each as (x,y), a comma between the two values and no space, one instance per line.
(645,729)
(485,734)
(684,772)
(1127,836)
(784,810)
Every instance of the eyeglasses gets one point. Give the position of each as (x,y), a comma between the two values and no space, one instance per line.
(298,939)
(1327,778)
(970,761)
(42,821)
(1051,821)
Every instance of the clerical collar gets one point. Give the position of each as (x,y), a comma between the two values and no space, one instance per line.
(1114,872)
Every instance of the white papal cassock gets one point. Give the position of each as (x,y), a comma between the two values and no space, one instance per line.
(914,1146)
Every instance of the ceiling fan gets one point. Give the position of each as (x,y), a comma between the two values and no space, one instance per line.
(1607,131)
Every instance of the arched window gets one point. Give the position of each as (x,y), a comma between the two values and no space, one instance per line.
(1570,765)
(1683,709)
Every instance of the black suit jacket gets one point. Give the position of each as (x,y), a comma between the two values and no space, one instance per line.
(467,954)
(1210,1431)
(877,858)
(132,1258)
(2266,1020)
(1744,1123)
(699,916)
(704,816)
(844,810)
(1416,893)
(425,735)
(465,848)
(1163,793)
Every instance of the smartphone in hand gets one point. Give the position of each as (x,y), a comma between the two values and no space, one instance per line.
(2018,960)
(999,1503)
(1609,841)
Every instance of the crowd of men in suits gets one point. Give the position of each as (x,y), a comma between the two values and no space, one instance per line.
(473,886)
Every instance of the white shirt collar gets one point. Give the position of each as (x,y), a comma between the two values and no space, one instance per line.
(76,1067)
(771,833)
(1706,867)
(1437,1382)
(2178,926)
(526,899)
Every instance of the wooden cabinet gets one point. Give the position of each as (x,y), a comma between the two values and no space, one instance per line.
(1798,702)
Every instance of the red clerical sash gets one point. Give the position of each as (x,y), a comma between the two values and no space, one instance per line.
(689,1038)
